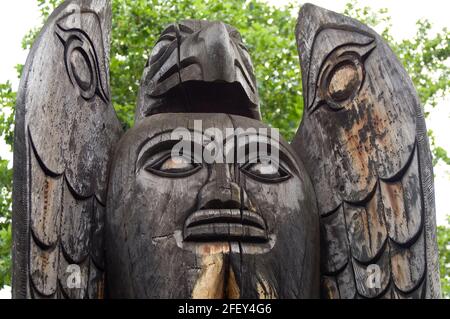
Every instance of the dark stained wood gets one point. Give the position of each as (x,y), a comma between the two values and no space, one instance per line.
(408,265)
(97,249)
(152,220)
(46,205)
(352,199)
(65,131)
(199,66)
(346,282)
(334,255)
(366,229)
(75,227)
(363,141)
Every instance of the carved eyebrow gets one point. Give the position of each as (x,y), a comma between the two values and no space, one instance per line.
(342,35)
(242,46)
(234,33)
(166,36)
(160,140)
(169,33)
(170,29)
(152,142)
(185,28)
(283,151)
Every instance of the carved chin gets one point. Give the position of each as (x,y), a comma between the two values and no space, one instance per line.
(217,280)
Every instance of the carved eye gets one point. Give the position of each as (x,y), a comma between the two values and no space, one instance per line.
(235,35)
(341,80)
(84,60)
(244,52)
(344,80)
(176,164)
(82,66)
(160,48)
(185,29)
(341,77)
(266,172)
(172,166)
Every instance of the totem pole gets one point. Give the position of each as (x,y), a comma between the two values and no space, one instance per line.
(347,210)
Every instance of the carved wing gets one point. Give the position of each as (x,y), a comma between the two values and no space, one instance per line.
(65,132)
(363,141)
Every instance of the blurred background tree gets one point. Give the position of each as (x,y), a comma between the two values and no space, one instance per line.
(268,32)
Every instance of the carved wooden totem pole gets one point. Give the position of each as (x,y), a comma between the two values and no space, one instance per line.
(347,213)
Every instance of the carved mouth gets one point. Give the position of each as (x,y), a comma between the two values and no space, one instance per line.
(225,225)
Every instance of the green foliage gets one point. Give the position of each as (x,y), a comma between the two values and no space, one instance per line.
(7,101)
(268,32)
(425,57)
(439,154)
(5,255)
(443,237)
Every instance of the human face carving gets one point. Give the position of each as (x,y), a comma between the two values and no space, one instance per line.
(215,229)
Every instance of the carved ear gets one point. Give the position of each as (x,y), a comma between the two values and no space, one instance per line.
(363,141)
(65,132)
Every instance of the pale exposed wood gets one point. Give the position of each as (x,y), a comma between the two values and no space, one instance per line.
(44,268)
(212,280)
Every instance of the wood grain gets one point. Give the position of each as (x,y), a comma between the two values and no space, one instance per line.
(65,132)
(363,141)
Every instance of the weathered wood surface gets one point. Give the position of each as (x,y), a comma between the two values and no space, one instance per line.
(65,131)
(216,230)
(363,141)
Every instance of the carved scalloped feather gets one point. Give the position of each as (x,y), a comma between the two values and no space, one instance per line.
(63,141)
(365,229)
(370,165)
(77,243)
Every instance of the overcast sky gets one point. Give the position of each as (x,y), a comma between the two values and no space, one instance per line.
(19,16)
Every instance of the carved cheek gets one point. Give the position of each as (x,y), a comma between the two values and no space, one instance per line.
(277,202)
(161,198)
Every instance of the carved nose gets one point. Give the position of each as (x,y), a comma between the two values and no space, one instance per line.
(220,192)
(214,196)
(218,60)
